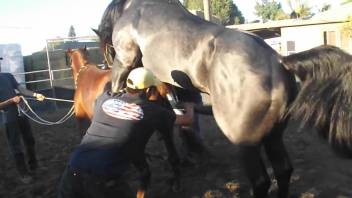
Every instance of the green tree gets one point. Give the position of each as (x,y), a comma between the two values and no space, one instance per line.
(269,10)
(193,4)
(299,8)
(346,1)
(225,10)
(347,27)
(325,7)
(236,16)
(72,32)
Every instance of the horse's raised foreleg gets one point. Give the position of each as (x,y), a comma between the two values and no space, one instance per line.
(128,56)
(279,158)
(255,170)
(119,74)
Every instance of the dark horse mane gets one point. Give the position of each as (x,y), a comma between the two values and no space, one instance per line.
(318,62)
(111,14)
(326,71)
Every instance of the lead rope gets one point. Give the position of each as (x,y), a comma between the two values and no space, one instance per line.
(40,120)
(83,67)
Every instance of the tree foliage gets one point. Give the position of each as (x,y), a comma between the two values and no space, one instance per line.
(346,1)
(225,10)
(325,7)
(299,8)
(269,10)
(72,32)
(347,27)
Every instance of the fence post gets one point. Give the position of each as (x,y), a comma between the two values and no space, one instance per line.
(51,76)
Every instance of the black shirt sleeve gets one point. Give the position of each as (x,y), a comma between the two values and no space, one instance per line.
(17,86)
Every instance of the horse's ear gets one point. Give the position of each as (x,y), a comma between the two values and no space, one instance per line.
(96,32)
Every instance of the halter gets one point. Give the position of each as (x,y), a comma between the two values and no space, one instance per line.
(83,67)
(106,52)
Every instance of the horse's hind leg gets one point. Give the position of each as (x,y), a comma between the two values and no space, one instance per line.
(255,170)
(278,156)
(83,125)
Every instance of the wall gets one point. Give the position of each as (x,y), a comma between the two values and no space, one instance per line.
(307,37)
(12,60)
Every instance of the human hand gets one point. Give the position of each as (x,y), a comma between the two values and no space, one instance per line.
(185,119)
(39,96)
(140,193)
(188,106)
(16,99)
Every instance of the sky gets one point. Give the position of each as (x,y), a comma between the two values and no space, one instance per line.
(30,22)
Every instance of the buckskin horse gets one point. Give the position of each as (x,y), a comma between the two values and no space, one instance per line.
(251,86)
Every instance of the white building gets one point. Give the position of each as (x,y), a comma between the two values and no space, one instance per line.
(295,35)
(12,61)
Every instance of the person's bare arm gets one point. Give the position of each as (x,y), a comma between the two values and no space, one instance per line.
(187,117)
(13,100)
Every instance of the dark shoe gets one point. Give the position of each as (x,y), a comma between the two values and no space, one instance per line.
(26,179)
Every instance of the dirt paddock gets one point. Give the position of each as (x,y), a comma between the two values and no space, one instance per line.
(318,172)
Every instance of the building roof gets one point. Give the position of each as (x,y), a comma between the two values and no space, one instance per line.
(271,28)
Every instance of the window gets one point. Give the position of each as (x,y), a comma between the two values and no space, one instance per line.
(330,38)
(291,47)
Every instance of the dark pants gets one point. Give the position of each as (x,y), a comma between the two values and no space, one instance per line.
(75,184)
(15,131)
(191,137)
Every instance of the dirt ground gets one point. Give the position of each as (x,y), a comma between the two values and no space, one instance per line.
(318,172)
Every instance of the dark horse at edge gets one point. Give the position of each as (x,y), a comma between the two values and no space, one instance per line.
(252,88)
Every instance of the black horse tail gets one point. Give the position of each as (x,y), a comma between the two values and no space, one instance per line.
(325,98)
(111,14)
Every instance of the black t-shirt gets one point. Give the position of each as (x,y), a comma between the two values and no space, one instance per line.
(120,129)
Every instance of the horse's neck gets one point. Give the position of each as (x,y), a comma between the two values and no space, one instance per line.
(78,67)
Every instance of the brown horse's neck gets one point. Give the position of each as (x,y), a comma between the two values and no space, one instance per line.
(79,64)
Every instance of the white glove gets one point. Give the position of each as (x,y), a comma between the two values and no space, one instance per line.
(39,96)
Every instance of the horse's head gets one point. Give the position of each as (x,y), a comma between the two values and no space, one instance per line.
(105,29)
(78,58)
(106,47)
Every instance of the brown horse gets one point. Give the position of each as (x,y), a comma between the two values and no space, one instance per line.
(89,84)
